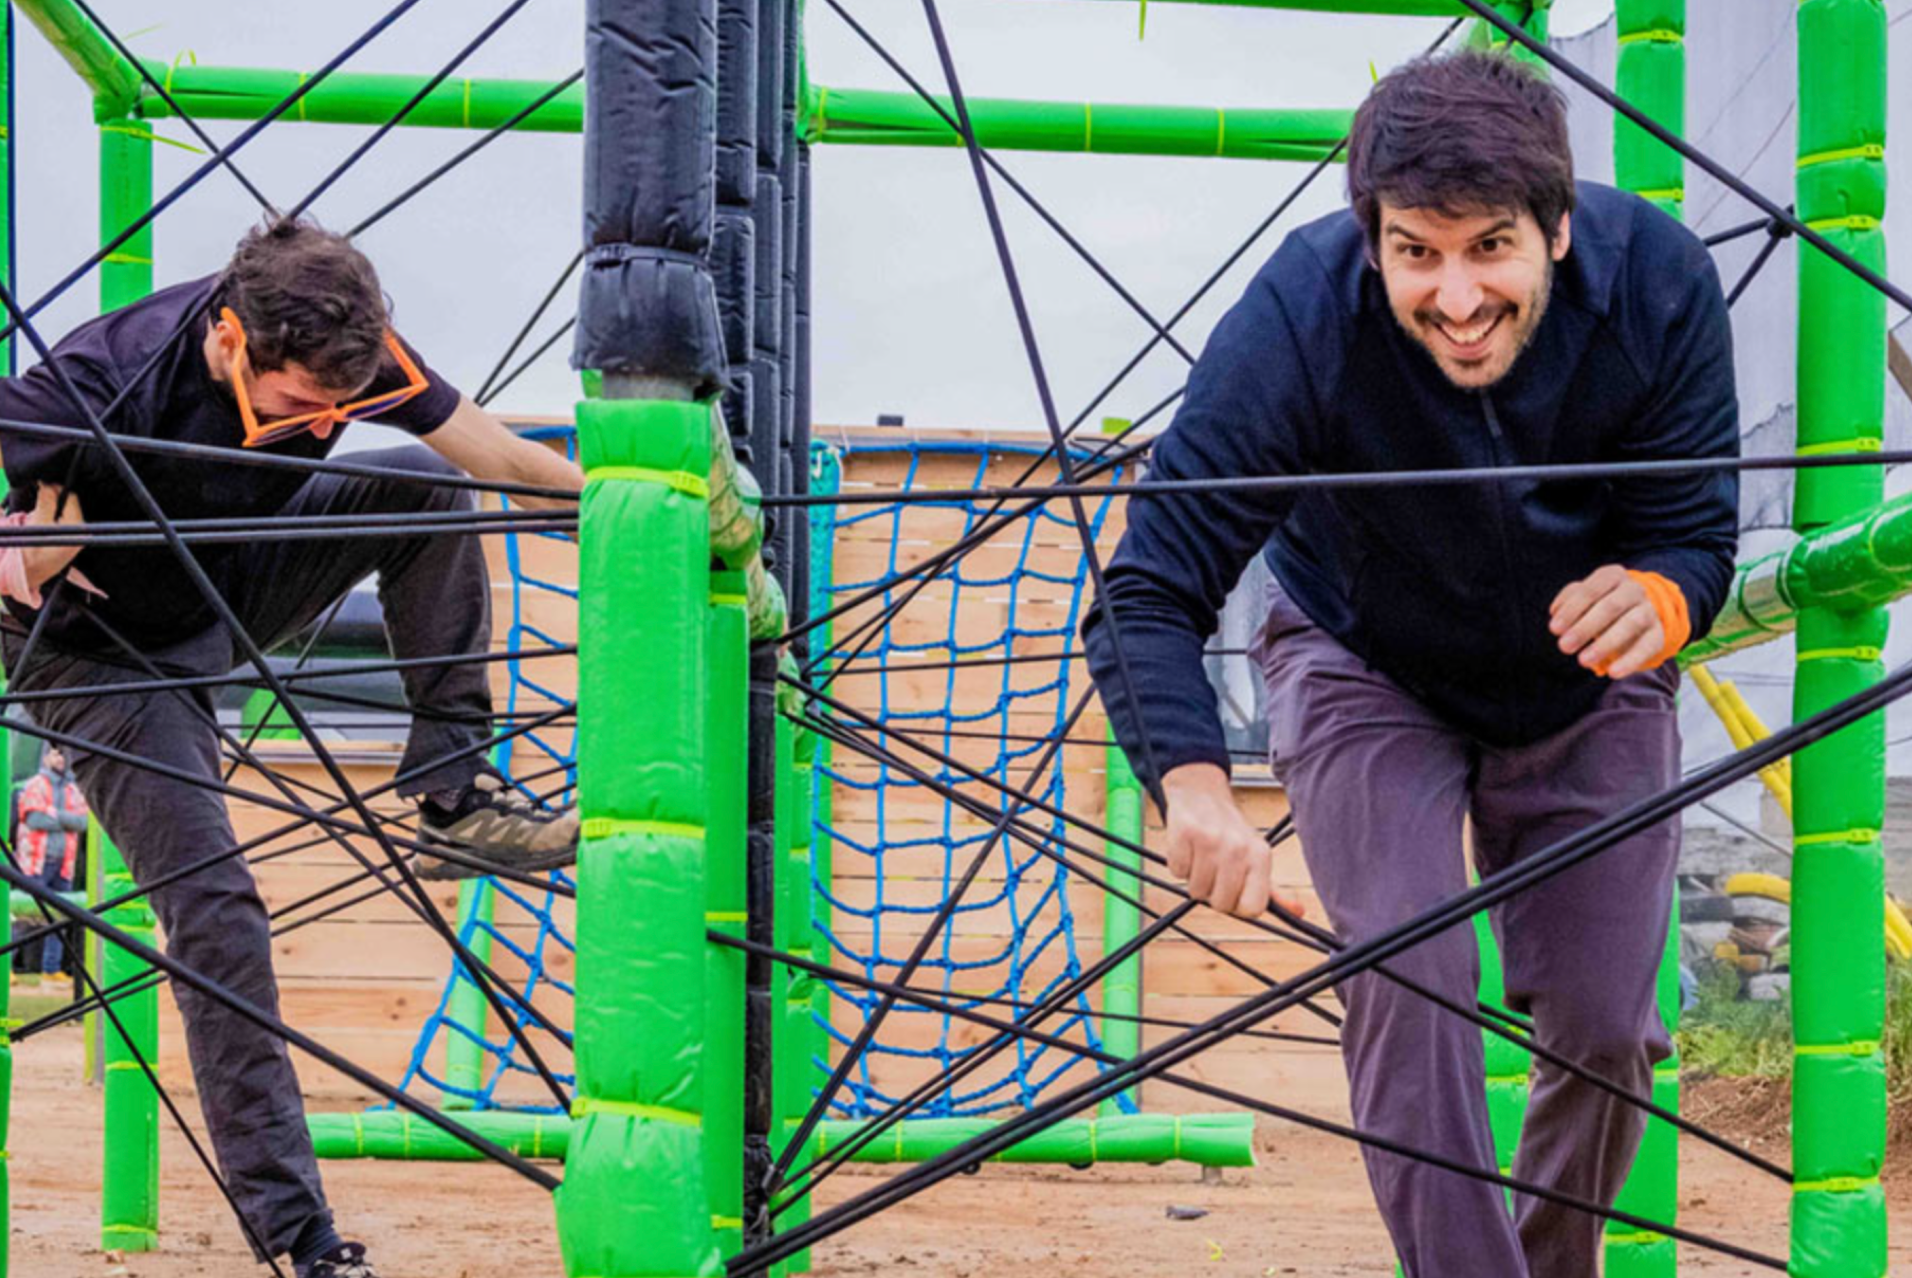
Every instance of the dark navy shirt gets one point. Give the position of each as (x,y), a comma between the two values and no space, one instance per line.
(149,597)
(1445,589)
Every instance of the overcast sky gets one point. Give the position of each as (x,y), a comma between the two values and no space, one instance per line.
(911,315)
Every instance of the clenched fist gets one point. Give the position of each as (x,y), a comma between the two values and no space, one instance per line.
(1213,848)
(1620,622)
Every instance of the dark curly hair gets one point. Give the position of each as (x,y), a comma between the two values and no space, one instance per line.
(306,297)
(1461,133)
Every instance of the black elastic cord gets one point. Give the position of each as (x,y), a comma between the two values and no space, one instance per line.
(409,193)
(1484,1016)
(1354,480)
(190,977)
(1713,168)
(483,395)
(276,461)
(1557,858)
(753,1259)
(220,157)
(425,90)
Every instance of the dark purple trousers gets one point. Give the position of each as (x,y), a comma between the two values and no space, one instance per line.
(1381,790)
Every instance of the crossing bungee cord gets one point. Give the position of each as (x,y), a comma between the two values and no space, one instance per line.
(1354,958)
(798,962)
(98,436)
(1348,960)
(203,584)
(1329,481)
(1110,453)
(1776,225)
(1516,1030)
(486,139)
(220,157)
(188,976)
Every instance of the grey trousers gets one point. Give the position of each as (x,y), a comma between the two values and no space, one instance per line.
(436,597)
(1380,788)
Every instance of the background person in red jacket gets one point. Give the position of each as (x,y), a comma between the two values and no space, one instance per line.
(52,822)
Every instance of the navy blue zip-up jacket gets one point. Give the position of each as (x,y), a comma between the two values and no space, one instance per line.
(1445,589)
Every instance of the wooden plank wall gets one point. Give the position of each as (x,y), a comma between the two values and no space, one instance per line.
(1182,980)
(364,980)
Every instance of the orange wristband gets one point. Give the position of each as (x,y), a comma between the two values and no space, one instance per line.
(1669,603)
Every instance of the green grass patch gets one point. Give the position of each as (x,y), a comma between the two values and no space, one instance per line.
(1726,1036)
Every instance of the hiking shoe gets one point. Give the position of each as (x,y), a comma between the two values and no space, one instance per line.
(491,821)
(347,1260)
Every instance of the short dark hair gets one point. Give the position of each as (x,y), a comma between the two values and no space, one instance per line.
(307,297)
(1458,133)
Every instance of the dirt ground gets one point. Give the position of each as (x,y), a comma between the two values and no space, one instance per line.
(1303,1210)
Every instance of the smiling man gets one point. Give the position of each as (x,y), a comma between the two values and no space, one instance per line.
(278,353)
(1492,651)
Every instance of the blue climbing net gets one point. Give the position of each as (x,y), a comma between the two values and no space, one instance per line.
(1013,933)
(471,1060)
(1012,936)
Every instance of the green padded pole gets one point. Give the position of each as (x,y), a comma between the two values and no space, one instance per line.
(868,117)
(1838,946)
(1206,1140)
(810,1042)
(126,193)
(1507,1064)
(636,1199)
(727,698)
(405,1137)
(129,1183)
(465,1056)
(1652,75)
(1121,920)
(129,1190)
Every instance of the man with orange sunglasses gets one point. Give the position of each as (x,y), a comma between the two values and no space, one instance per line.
(274,356)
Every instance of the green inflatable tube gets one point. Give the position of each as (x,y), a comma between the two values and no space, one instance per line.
(247,93)
(1652,75)
(1838,948)
(727,695)
(636,1197)
(868,117)
(1204,1140)
(1122,919)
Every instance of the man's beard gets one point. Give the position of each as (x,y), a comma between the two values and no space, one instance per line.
(1524,319)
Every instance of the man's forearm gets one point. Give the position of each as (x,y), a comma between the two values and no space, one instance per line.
(542,468)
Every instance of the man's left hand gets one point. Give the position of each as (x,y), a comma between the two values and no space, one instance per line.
(1609,623)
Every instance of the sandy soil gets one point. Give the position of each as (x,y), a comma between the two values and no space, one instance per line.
(1304,1210)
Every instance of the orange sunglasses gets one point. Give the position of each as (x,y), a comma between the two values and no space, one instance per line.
(321,422)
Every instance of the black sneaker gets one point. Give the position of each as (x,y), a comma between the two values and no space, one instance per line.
(347,1260)
(491,821)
